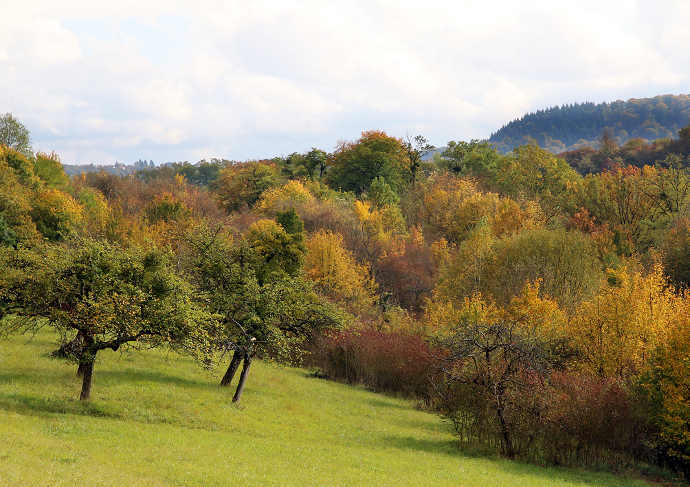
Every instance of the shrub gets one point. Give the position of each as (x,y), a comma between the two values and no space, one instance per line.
(398,362)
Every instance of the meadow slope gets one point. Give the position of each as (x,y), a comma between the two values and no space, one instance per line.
(158,420)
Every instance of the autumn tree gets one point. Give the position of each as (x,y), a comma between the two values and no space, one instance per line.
(240,185)
(493,359)
(273,250)
(676,252)
(290,195)
(666,383)
(566,262)
(618,329)
(336,273)
(621,198)
(536,173)
(16,225)
(408,272)
(57,215)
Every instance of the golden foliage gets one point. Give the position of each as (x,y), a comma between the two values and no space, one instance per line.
(618,329)
(337,274)
(285,197)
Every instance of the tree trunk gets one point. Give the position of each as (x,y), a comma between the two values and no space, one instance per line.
(87,374)
(232,368)
(81,369)
(243,377)
(508,445)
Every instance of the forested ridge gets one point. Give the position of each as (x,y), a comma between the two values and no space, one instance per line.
(576,125)
(540,310)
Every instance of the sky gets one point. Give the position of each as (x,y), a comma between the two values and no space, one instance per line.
(99,82)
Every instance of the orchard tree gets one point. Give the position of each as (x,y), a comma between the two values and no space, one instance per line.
(254,285)
(111,297)
(15,135)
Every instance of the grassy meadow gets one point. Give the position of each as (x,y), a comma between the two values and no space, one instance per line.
(155,419)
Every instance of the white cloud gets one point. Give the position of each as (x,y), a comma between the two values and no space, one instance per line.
(183,80)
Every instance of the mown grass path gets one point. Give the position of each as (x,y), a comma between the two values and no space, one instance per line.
(156,419)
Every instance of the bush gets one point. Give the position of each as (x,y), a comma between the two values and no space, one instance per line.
(566,419)
(588,420)
(397,362)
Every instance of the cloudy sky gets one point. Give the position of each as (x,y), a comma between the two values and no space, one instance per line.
(168,80)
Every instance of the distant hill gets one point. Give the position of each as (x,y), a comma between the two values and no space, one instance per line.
(569,127)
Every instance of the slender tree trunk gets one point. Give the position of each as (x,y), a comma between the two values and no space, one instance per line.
(232,368)
(243,377)
(508,445)
(87,374)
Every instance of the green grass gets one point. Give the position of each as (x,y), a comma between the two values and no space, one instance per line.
(155,419)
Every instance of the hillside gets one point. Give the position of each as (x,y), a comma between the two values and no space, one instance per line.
(157,420)
(571,126)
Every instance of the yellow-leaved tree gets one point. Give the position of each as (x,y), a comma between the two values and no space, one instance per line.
(617,330)
(290,195)
(667,382)
(337,274)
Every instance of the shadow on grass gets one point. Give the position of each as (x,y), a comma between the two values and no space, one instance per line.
(512,467)
(446,447)
(388,403)
(136,375)
(434,424)
(42,406)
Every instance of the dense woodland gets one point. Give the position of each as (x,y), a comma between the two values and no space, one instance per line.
(541,310)
(578,125)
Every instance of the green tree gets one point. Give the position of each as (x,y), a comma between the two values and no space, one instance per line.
(536,173)
(381,194)
(111,297)
(271,316)
(274,251)
(476,158)
(356,164)
(316,162)
(416,148)
(49,170)
(15,135)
